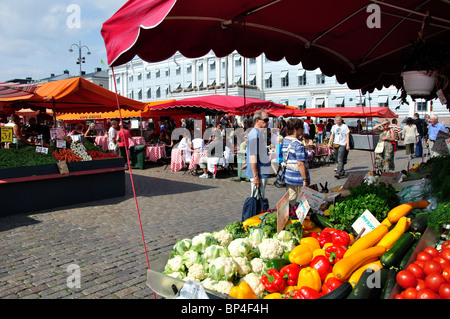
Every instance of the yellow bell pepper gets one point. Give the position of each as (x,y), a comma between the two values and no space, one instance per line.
(243,291)
(301,255)
(318,252)
(310,241)
(309,277)
(288,289)
(275,295)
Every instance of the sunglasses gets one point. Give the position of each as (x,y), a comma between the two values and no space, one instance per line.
(265,120)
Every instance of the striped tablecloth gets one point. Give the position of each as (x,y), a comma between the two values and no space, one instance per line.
(102,141)
(177,160)
(155,152)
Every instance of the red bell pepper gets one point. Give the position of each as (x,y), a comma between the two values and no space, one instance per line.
(324,238)
(335,253)
(273,281)
(341,237)
(290,274)
(305,292)
(323,266)
(328,230)
(331,284)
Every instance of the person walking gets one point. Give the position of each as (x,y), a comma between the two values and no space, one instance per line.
(340,141)
(320,132)
(420,124)
(297,172)
(410,136)
(258,160)
(433,130)
(384,161)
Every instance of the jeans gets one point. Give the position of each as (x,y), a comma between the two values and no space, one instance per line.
(339,153)
(320,138)
(419,148)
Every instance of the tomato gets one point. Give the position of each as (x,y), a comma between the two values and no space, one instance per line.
(434,281)
(444,291)
(445,253)
(432,266)
(399,296)
(446,274)
(410,293)
(446,244)
(442,261)
(416,270)
(432,251)
(406,278)
(426,294)
(424,256)
(420,263)
(421,284)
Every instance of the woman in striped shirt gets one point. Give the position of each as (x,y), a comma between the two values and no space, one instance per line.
(297,172)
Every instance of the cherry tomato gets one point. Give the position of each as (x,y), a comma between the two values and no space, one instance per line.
(434,281)
(399,296)
(421,284)
(444,291)
(432,251)
(445,253)
(424,256)
(426,294)
(432,266)
(420,263)
(416,270)
(410,293)
(446,244)
(446,274)
(442,261)
(406,278)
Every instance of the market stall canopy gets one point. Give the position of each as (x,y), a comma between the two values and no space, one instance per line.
(218,104)
(357,111)
(287,112)
(10,91)
(75,95)
(359,42)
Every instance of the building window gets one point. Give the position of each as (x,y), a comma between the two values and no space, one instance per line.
(118,80)
(301,104)
(301,77)
(158,73)
(421,106)
(339,102)
(320,103)
(167,72)
(284,78)
(200,67)
(320,78)
(268,80)
(130,78)
(252,80)
(383,101)
(140,94)
(212,65)
(189,69)
(158,92)
(149,75)
(237,61)
(139,77)
(238,80)
(252,60)
(178,70)
(149,93)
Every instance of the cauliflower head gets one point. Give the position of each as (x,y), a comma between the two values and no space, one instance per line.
(223,268)
(270,248)
(224,237)
(240,247)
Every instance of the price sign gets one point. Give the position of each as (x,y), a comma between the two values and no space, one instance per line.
(366,221)
(354,180)
(390,177)
(60,143)
(314,198)
(302,209)
(43,150)
(6,134)
(282,212)
(53,133)
(440,145)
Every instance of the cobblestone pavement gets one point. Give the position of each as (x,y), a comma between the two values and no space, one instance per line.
(103,238)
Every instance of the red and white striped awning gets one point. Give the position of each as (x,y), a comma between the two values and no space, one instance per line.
(14,90)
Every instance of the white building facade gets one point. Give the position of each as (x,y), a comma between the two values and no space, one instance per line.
(277,81)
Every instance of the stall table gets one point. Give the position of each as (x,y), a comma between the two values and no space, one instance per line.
(177,160)
(155,152)
(102,141)
(365,141)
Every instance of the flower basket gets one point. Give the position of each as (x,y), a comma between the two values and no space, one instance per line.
(419,83)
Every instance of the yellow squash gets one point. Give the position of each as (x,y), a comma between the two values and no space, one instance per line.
(400,228)
(345,267)
(354,278)
(404,209)
(368,240)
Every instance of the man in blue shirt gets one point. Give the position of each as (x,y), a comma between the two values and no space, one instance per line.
(258,160)
(433,129)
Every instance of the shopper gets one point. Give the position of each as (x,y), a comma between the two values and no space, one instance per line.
(433,130)
(320,132)
(385,161)
(18,138)
(297,172)
(312,130)
(123,136)
(91,133)
(112,137)
(258,161)
(340,141)
(397,132)
(410,136)
(420,124)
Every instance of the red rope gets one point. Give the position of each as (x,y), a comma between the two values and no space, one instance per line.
(131,177)
(372,155)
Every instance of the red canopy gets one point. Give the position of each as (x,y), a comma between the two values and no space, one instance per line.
(358,111)
(219,104)
(359,42)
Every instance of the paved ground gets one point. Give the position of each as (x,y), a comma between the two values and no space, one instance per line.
(103,238)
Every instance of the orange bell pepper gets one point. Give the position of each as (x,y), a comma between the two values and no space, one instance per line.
(309,277)
(301,255)
(243,291)
(310,241)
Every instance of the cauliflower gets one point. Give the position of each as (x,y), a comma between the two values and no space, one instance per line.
(254,281)
(270,248)
(240,247)
(174,264)
(243,265)
(284,236)
(203,240)
(224,237)
(256,235)
(223,268)
(190,258)
(215,251)
(177,274)
(257,265)
(221,286)
(288,245)
(196,272)
(181,246)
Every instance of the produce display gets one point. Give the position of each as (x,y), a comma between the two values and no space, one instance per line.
(322,257)
(24,156)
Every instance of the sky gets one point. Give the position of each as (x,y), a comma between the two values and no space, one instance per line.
(35,36)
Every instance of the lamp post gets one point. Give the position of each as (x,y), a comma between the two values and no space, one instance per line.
(80,58)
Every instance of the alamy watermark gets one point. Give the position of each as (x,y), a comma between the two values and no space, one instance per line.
(373,21)
(73,20)
(74,278)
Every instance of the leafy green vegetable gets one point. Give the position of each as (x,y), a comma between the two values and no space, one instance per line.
(236,229)
(25,156)
(296,229)
(383,191)
(438,216)
(440,177)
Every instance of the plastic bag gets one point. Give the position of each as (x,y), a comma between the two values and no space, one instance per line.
(421,191)
(191,290)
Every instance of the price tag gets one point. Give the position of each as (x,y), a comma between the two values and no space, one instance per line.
(302,209)
(6,134)
(390,177)
(282,212)
(366,221)
(314,198)
(354,180)
(60,143)
(38,149)
(44,150)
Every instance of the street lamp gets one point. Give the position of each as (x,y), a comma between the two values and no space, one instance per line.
(80,58)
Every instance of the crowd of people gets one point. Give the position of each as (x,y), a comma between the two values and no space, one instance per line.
(27,133)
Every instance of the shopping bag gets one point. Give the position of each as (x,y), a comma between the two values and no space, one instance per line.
(279,178)
(254,205)
(379,148)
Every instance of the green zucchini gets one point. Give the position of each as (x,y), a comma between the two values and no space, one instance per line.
(366,288)
(407,256)
(321,221)
(419,223)
(393,256)
(340,292)
(391,280)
